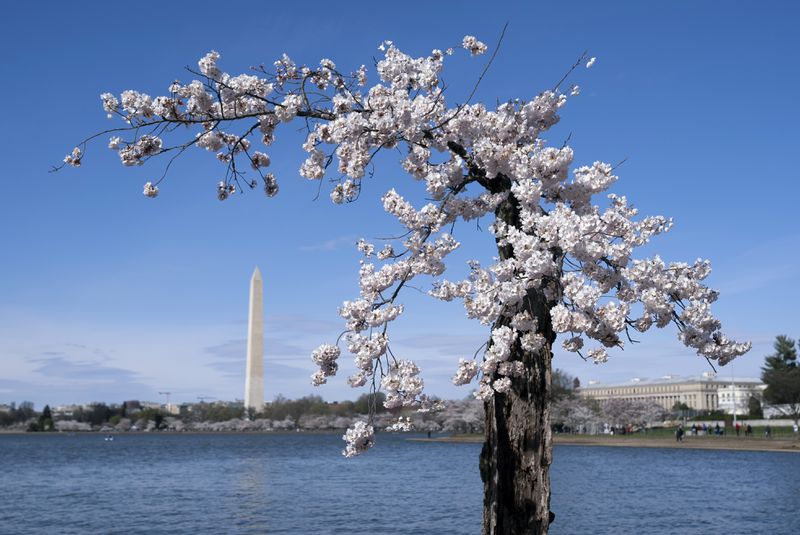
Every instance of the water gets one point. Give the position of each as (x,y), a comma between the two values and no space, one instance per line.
(666,491)
(299,484)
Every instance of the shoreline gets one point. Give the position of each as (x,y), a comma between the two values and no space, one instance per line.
(788,445)
(172,432)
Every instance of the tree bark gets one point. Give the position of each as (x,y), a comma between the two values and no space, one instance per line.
(517,451)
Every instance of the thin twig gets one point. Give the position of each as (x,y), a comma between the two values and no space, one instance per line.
(478,82)
(574,66)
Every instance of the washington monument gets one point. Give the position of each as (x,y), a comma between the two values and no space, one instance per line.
(254,381)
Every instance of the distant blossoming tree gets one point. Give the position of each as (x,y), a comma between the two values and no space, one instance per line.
(565,265)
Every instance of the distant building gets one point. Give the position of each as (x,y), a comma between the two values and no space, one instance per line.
(735,398)
(66,411)
(701,393)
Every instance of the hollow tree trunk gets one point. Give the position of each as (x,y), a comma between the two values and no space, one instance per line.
(516,455)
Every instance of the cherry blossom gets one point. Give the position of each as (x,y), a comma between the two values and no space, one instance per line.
(359,438)
(325,357)
(401,425)
(150,190)
(74,158)
(562,236)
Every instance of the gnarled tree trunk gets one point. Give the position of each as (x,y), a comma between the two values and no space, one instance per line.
(516,455)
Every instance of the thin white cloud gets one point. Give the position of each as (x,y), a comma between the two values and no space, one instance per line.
(63,367)
(758,278)
(329,245)
(448,343)
(301,324)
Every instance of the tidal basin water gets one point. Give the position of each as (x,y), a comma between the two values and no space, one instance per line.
(299,484)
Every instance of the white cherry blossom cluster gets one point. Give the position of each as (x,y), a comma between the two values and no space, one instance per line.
(225,190)
(402,425)
(345,192)
(566,266)
(366,350)
(497,368)
(466,372)
(74,158)
(358,438)
(259,160)
(402,385)
(474,46)
(150,190)
(270,185)
(325,357)
(110,103)
(136,153)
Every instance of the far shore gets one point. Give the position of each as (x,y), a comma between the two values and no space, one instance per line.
(783,444)
(791,445)
(117,433)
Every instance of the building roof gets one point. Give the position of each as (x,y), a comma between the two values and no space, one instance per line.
(672,380)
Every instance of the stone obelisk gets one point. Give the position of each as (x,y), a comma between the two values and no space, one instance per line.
(254,381)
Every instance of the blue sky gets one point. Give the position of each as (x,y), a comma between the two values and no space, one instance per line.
(106,295)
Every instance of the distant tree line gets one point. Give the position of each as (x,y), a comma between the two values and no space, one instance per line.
(25,417)
(570,412)
(309,412)
(17,414)
(282,408)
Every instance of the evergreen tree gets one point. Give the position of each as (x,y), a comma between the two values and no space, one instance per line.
(754,408)
(785,355)
(46,419)
(158,418)
(781,374)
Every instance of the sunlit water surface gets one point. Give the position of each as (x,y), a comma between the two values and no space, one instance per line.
(300,484)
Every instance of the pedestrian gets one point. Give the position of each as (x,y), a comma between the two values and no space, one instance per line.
(717,430)
(694,429)
(679,434)
(738,426)
(748,430)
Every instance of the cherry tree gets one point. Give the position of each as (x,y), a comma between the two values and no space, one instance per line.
(579,415)
(565,265)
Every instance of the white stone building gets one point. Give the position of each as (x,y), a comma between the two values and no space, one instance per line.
(734,398)
(700,393)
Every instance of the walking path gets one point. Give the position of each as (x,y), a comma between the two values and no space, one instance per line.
(638,441)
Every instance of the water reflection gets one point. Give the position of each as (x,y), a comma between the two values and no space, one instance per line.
(251,495)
